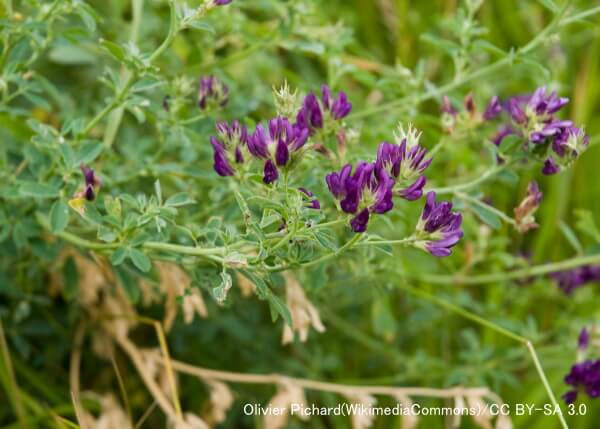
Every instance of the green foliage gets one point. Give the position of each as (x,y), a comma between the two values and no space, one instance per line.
(113,85)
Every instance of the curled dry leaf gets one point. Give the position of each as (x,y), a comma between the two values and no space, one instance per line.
(190,421)
(503,422)
(288,393)
(459,403)
(524,213)
(304,314)
(93,276)
(409,421)
(221,399)
(483,419)
(151,361)
(111,415)
(362,420)
(174,283)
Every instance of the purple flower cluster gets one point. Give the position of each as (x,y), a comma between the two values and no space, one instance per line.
(404,163)
(533,117)
(584,376)
(368,190)
(439,228)
(211,91)
(280,143)
(221,2)
(310,115)
(397,170)
(276,146)
(573,279)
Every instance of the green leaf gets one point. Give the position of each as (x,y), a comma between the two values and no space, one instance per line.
(587,225)
(129,283)
(487,216)
(178,200)
(571,237)
(59,216)
(89,151)
(71,55)
(158,191)
(220,292)
(38,190)
(325,239)
(118,256)
(70,279)
(140,260)
(201,25)
(115,50)
(278,308)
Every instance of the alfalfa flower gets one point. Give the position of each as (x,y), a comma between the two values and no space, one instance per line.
(570,280)
(221,2)
(369,190)
(212,92)
(92,183)
(406,163)
(277,146)
(493,109)
(311,114)
(583,341)
(569,142)
(583,377)
(439,228)
(311,201)
(229,147)
(524,212)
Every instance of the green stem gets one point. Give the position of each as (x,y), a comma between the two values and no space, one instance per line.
(490,172)
(503,331)
(478,202)
(534,271)
(173,29)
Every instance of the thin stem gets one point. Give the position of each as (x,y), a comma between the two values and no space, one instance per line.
(480,320)
(173,28)
(579,16)
(343,389)
(534,271)
(472,183)
(485,206)
(406,240)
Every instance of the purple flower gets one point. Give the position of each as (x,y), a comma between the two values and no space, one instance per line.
(438,229)
(542,103)
(211,91)
(447,106)
(570,141)
(493,109)
(584,376)
(405,164)
(310,115)
(573,279)
(91,182)
(503,132)
(550,167)
(583,341)
(221,2)
(229,147)
(368,190)
(277,146)
(313,203)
